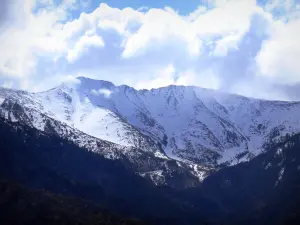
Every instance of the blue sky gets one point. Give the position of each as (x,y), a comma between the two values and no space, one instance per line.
(183,7)
(245,47)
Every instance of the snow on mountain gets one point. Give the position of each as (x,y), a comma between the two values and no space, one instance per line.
(19,108)
(79,110)
(189,123)
(186,123)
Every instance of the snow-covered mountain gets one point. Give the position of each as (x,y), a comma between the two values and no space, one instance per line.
(199,128)
(18,108)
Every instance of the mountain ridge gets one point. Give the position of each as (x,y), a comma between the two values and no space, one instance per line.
(196,127)
(177,85)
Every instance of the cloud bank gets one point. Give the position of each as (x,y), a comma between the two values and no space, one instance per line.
(238,46)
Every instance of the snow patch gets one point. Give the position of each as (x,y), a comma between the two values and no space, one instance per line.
(280,176)
(201,174)
(37,120)
(105,92)
(13,118)
(268,166)
(279,151)
(156,176)
(160,155)
(1,100)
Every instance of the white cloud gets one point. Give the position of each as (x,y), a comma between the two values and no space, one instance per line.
(227,17)
(141,31)
(69,79)
(162,78)
(149,47)
(105,92)
(226,43)
(103,17)
(262,90)
(7,84)
(227,23)
(47,2)
(275,4)
(82,45)
(161,27)
(28,35)
(169,76)
(119,20)
(195,14)
(279,55)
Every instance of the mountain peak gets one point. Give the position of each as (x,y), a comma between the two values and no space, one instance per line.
(187,123)
(93,84)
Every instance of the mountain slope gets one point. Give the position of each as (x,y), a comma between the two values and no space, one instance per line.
(42,160)
(160,170)
(264,190)
(188,124)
